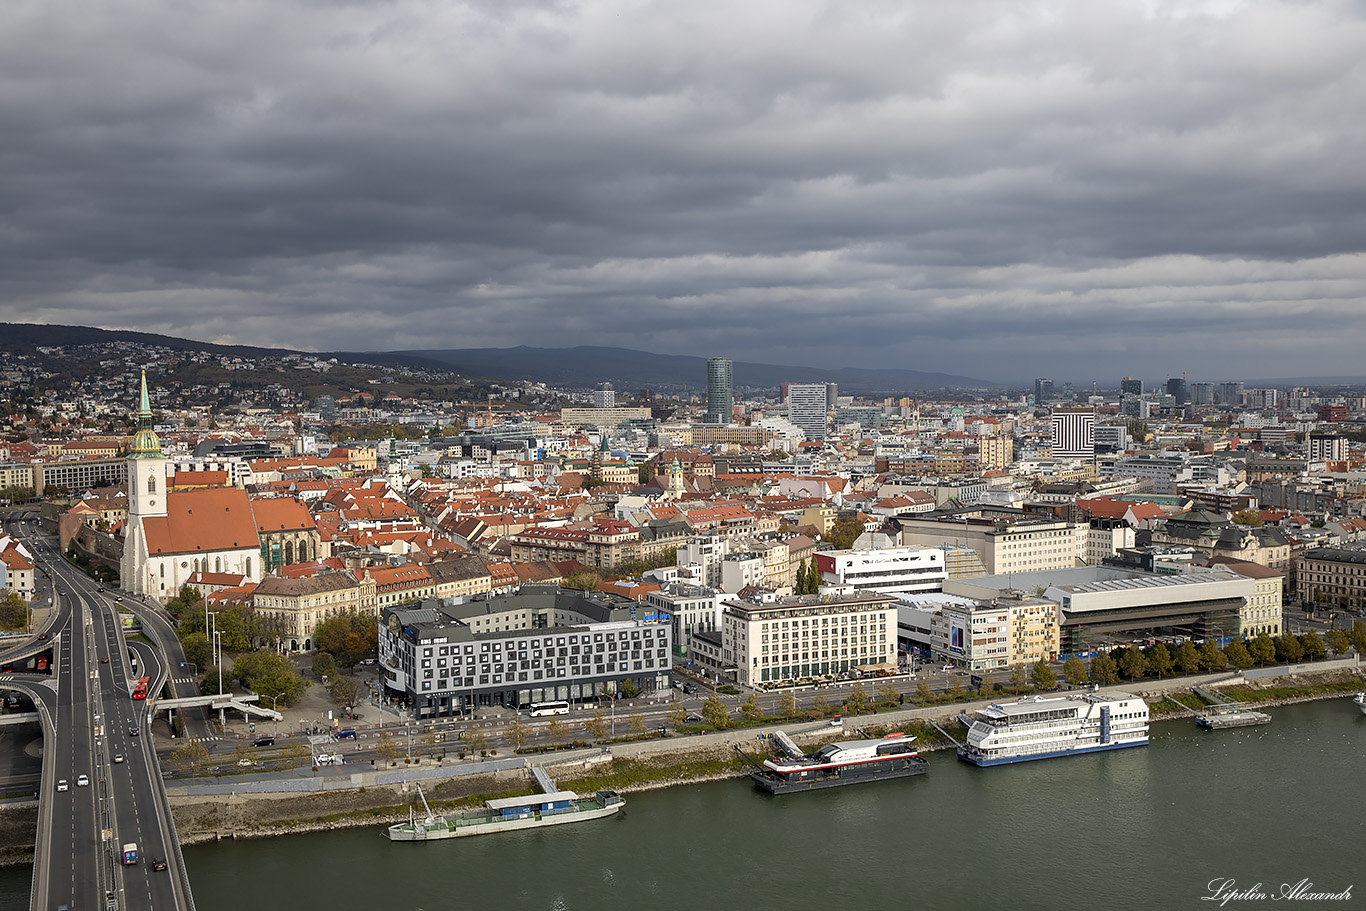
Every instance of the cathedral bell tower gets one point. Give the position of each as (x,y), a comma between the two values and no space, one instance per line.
(146,498)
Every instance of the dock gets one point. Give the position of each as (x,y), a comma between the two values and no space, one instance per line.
(1225,712)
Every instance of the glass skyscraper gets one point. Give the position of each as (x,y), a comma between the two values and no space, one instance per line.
(720,402)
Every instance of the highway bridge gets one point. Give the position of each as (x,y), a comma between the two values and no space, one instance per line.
(77,669)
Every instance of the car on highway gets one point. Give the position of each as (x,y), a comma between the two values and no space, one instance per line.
(118,757)
(133,732)
(158,864)
(263,742)
(63,785)
(42,635)
(692,718)
(104,661)
(82,781)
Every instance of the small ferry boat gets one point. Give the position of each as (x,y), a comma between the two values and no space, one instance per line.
(1039,728)
(509,814)
(840,763)
(1360,700)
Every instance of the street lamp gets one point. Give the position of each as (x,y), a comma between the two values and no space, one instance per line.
(273,700)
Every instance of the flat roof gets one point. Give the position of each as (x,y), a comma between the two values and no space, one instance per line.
(531,800)
(1153,581)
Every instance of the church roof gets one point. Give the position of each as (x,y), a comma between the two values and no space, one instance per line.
(281,514)
(205,520)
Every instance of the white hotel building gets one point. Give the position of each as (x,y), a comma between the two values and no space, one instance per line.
(892,569)
(808,635)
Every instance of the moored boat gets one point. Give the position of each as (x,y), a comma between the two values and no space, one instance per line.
(840,763)
(1360,700)
(509,814)
(1040,728)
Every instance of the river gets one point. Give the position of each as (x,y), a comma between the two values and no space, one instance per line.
(1142,828)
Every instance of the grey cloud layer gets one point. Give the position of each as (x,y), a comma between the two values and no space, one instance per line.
(977,187)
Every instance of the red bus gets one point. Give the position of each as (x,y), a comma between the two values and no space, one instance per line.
(140,688)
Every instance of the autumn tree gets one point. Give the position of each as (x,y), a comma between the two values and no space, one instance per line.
(1132,664)
(749,709)
(858,699)
(1262,649)
(885,692)
(386,750)
(787,705)
(714,713)
(677,714)
(1074,670)
(1042,676)
(1160,660)
(1238,654)
(1103,670)
(517,734)
(190,758)
(597,725)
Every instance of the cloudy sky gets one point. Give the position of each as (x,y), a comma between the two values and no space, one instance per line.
(1006,189)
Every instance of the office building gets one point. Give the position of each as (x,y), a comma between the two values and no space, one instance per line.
(1074,432)
(1230,394)
(1043,391)
(720,398)
(807,408)
(892,569)
(1202,393)
(808,635)
(604,396)
(1327,447)
(1176,388)
(1130,386)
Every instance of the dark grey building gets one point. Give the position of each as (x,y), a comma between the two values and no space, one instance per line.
(543,644)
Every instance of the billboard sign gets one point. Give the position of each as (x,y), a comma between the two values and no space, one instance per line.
(958,635)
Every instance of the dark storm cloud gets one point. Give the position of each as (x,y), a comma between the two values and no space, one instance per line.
(985,188)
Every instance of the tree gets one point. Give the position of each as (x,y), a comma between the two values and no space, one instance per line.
(820,705)
(597,725)
(190,758)
(1187,658)
(1160,660)
(1263,650)
(1211,659)
(787,705)
(1249,517)
(1104,671)
(922,693)
(844,532)
(209,680)
(749,709)
(556,730)
(1042,676)
(1018,676)
(14,611)
(517,734)
(629,690)
(1288,648)
(1238,654)
(858,699)
(799,587)
(1337,640)
(885,692)
(265,671)
(714,713)
(1074,670)
(386,750)
(197,649)
(324,665)
(583,580)
(1357,636)
(636,724)
(1314,649)
(348,637)
(1132,664)
(344,690)
(678,716)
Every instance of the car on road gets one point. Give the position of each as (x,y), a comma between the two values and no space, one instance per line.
(245,762)
(42,635)
(692,718)
(133,732)
(346,734)
(104,661)
(263,742)
(158,864)
(118,757)
(63,785)
(82,781)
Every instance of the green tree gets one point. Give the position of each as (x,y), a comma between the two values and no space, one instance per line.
(1074,670)
(858,699)
(265,671)
(324,665)
(1357,636)
(1211,659)
(1042,676)
(1263,650)
(209,680)
(1018,677)
(583,580)
(13,611)
(1132,664)
(749,709)
(636,724)
(1187,657)
(1104,671)
(1288,648)
(1312,644)
(1160,661)
(344,690)
(1249,517)
(629,690)
(1238,654)
(678,716)
(844,532)
(922,693)
(197,649)
(1337,640)
(348,637)
(714,713)
(517,734)
(787,705)
(885,693)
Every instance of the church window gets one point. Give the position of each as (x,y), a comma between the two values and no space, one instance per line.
(151,483)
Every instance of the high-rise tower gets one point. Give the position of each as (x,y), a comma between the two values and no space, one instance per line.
(146,495)
(720,403)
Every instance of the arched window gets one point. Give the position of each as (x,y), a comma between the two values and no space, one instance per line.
(248,566)
(289,552)
(151,483)
(218,564)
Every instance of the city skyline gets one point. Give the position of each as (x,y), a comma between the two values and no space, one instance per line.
(1135,189)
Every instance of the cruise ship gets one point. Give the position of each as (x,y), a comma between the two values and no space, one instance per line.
(1042,727)
(840,763)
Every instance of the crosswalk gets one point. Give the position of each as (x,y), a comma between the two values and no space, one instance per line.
(209,739)
(186,680)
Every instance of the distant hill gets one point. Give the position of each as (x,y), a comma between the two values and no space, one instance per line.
(23,337)
(628,369)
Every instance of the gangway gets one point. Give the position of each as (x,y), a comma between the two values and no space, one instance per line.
(543,779)
(1212,697)
(786,744)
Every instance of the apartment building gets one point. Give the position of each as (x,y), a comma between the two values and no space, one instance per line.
(801,636)
(1005,540)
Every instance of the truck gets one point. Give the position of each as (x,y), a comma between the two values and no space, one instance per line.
(130,853)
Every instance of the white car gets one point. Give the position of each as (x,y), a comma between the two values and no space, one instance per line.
(326,759)
(63,785)
(82,781)
(118,757)
(247,763)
